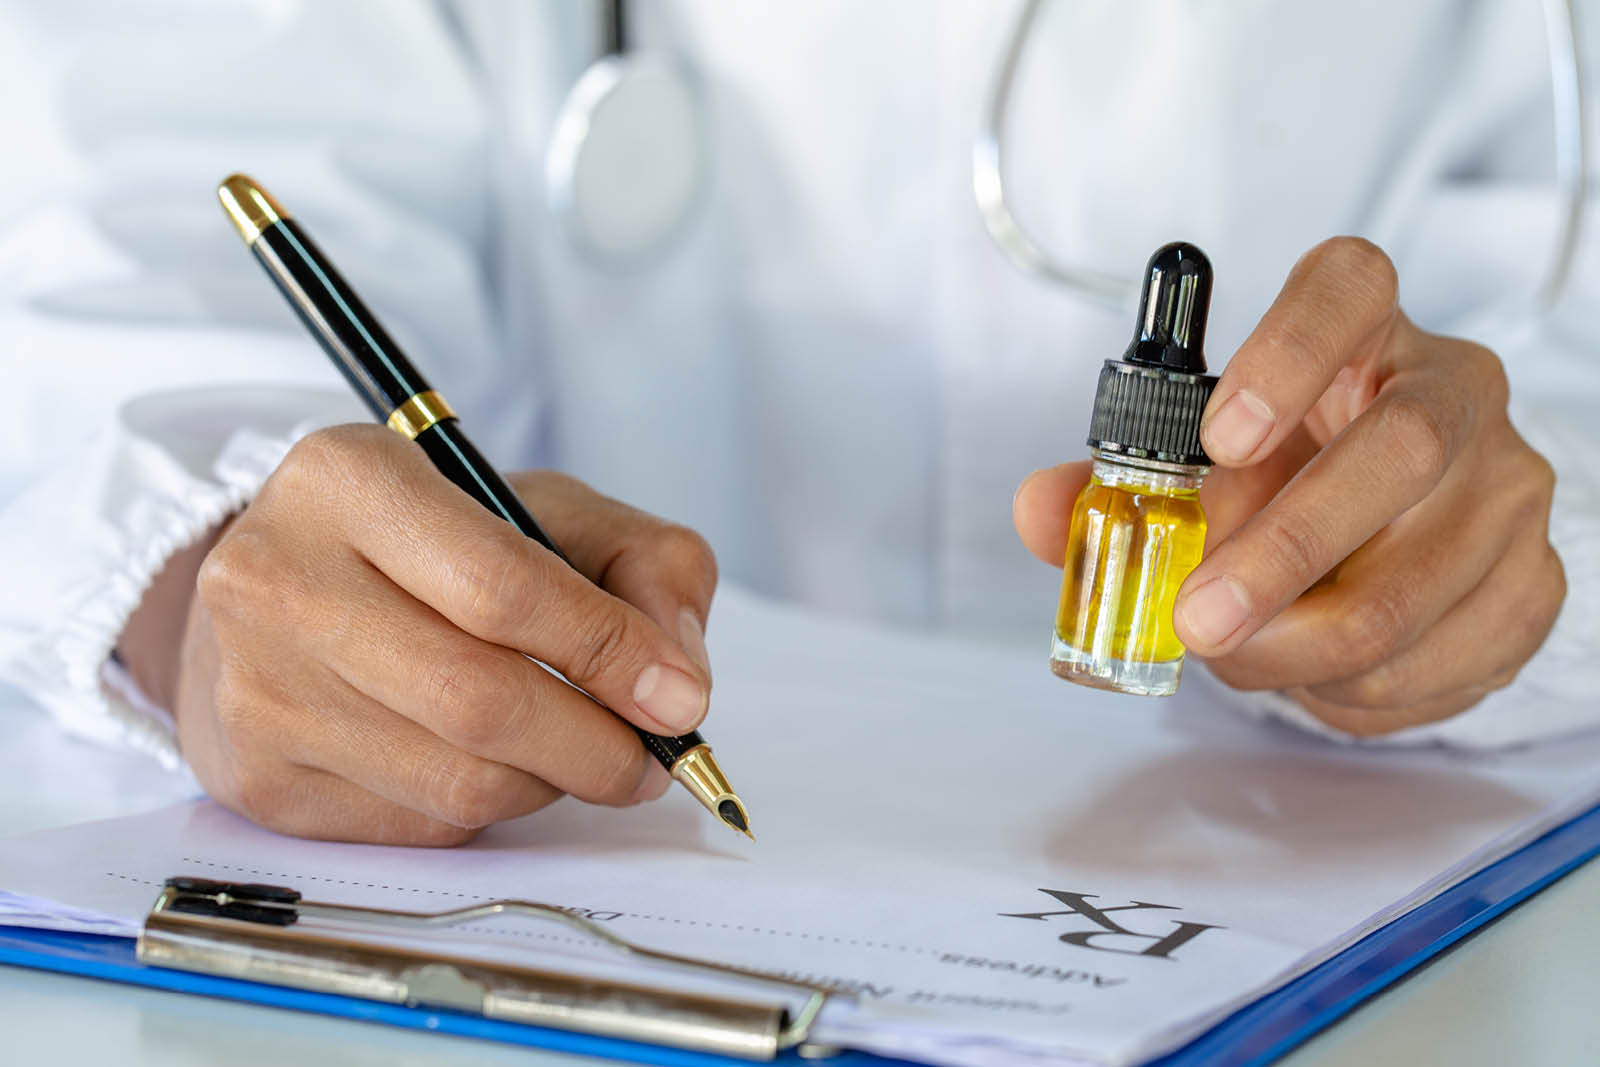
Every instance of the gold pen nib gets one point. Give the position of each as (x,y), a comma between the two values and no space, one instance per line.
(698,771)
(732,812)
(251,207)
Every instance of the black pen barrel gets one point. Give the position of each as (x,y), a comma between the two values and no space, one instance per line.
(350,333)
(459,460)
(666,748)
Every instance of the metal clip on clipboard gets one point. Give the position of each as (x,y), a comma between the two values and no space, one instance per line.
(241,931)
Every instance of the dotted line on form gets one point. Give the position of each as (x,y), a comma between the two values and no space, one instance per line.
(739,927)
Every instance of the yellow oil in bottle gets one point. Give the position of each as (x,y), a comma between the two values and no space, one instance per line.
(1136,533)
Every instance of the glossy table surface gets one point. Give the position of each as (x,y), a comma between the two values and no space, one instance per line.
(1525,991)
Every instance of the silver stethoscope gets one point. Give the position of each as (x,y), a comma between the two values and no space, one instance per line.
(633,113)
(630,113)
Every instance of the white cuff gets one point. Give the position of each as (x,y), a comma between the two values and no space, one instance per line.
(98,530)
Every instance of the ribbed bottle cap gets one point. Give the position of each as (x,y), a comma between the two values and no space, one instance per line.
(1149,402)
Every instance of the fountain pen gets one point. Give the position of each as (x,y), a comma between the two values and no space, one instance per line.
(374,365)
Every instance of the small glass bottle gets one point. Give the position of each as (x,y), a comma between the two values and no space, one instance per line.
(1137,529)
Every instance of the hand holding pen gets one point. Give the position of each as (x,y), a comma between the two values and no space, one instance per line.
(356,663)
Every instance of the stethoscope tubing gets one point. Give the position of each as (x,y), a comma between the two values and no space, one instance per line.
(1569,95)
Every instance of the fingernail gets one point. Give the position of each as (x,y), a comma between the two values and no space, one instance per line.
(693,639)
(1238,427)
(655,782)
(1214,611)
(670,697)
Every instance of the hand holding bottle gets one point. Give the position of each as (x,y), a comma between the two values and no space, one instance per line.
(1378,544)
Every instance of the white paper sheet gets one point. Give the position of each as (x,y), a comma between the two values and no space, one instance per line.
(915,800)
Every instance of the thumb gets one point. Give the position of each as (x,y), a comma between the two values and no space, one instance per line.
(665,570)
(1041,510)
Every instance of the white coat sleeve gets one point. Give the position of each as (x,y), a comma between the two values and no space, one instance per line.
(154,378)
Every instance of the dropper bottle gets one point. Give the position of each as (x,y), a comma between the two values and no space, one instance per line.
(1137,528)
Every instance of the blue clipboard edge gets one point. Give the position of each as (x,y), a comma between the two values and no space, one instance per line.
(1254,1035)
(113,958)
(1268,1028)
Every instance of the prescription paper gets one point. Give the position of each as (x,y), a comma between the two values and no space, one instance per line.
(1004,867)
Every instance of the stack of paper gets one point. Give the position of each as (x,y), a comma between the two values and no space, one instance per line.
(1006,868)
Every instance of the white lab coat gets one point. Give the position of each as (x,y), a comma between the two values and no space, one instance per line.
(834,375)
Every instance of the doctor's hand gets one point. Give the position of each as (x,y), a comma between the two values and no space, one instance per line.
(355,662)
(1378,544)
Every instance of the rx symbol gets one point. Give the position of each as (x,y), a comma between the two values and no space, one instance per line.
(1161,945)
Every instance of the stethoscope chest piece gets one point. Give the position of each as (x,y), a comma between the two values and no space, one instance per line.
(628,157)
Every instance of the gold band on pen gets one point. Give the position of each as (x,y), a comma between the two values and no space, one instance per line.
(419,413)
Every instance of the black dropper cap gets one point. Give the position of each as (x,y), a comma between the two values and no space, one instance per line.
(1149,402)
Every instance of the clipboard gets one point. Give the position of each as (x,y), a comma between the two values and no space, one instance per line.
(201,931)
(1255,1035)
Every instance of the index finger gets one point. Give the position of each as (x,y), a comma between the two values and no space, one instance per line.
(1382,464)
(477,570)
(1338,304)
